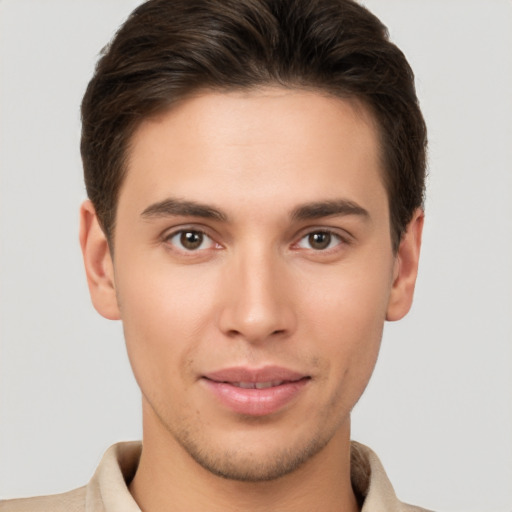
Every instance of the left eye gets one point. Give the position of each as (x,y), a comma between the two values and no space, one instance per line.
(319,240)
(190,240)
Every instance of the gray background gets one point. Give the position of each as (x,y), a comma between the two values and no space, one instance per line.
(438,410)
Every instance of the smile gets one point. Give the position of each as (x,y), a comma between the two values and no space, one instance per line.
(256,392)
(257,385)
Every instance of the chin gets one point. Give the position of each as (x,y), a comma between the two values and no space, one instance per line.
(245,463)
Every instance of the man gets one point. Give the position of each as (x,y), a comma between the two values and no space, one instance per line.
(255,173)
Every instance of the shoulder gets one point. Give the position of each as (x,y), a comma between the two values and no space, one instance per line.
(412,508)
(107,489)
(72,501)
(371,484)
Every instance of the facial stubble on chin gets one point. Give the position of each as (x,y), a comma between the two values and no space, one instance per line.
(241,463)
(245,467)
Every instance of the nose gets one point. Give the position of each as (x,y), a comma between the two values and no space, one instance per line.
(258,297)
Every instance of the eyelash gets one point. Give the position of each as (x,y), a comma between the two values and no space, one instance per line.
(205,238)
(331,237)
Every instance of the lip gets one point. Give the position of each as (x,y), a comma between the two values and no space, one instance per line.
(265,390)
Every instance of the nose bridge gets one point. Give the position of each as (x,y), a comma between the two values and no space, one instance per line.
(257,304)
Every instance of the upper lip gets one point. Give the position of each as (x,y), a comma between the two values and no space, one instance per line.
(245,374)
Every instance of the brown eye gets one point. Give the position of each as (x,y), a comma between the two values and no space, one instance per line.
(190,240)
(320,240)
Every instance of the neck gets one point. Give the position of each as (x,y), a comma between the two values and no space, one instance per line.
(168,478)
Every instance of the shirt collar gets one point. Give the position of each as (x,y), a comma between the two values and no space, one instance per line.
(108,489)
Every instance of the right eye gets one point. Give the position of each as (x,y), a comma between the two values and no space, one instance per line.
(190,240)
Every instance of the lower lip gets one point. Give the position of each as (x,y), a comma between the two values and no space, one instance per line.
(256,402)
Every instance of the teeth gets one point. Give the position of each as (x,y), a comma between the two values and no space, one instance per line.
(257,385)
(264,385)
(245,385)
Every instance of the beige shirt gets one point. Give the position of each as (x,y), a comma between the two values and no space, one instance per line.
(108,492)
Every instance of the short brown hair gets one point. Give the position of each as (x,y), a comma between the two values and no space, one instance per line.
(168,49)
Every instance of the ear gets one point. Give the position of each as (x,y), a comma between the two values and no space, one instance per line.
(406,269)
(98,263)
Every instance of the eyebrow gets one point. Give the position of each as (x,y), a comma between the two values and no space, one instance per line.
(337,207)
(179,207)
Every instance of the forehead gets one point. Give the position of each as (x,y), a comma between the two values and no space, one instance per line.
(229,147)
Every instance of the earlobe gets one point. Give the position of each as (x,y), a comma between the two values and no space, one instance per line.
(406,269)
(98,263)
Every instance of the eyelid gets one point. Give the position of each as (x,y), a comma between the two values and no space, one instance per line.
(344,237)
(170,233)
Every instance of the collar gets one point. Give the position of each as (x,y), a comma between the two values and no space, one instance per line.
(108,489)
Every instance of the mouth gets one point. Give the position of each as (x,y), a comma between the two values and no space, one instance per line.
(266,376)
(257,385)
(256,392)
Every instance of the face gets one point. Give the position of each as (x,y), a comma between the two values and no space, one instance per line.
(253,271)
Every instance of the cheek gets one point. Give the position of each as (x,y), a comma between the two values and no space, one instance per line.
(350,300)
(164,314)
(347,313)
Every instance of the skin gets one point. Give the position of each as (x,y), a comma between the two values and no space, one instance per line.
(271,283)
